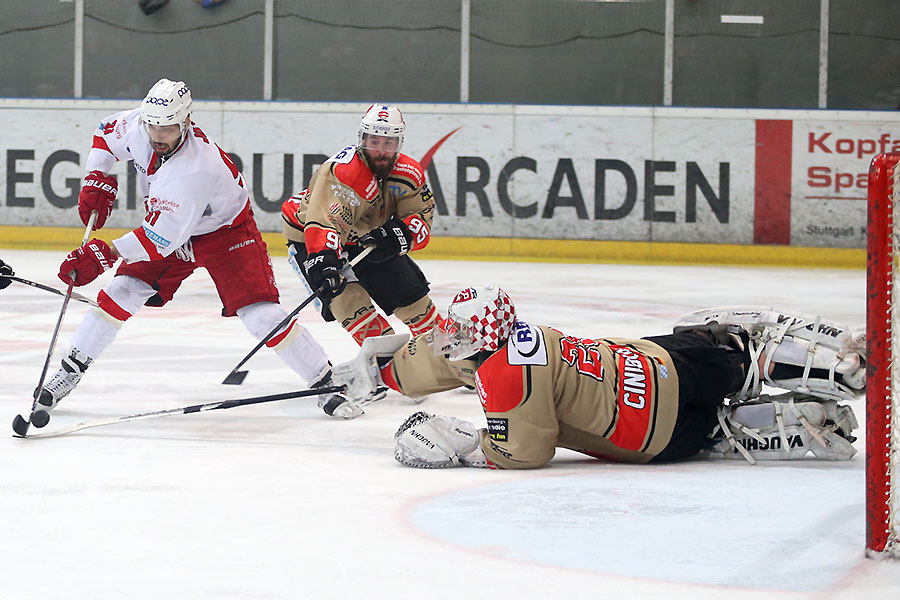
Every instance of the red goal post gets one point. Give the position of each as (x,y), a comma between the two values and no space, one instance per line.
(883,354)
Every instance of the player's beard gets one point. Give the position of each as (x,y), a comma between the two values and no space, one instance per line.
(382,164)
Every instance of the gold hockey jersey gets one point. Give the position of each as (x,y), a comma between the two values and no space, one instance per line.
(345,200)
(608,398)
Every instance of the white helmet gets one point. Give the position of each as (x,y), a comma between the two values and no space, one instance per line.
(384,120)
(167,103)
(478,319)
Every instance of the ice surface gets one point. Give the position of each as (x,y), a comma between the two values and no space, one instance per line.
(279,501)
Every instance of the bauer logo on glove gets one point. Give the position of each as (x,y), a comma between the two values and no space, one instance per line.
(85,264)
(98,193)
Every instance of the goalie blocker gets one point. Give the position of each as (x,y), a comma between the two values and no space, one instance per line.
(819,362)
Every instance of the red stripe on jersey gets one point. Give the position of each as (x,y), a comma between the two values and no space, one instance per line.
(408,167)
(358,176)
(499,385)
(100,144)
(320,238)
(290,208)
(109,306)
(421,233)
(388,377)
(149,246)
(280,337)
(635,392)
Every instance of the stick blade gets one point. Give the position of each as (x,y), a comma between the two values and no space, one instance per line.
(20,426)
(235,378)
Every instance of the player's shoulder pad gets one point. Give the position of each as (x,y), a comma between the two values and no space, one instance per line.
(409,168)
(355,174)
(526,345)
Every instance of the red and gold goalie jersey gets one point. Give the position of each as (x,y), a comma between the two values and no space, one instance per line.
(609,398)
(345,200)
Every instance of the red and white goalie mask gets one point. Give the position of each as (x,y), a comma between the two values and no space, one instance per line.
(478,319)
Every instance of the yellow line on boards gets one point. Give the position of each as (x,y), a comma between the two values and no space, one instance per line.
(528,250)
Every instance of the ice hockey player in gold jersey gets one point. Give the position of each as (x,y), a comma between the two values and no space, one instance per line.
(369,194)
(654,399)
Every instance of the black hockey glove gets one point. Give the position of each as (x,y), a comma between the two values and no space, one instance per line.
(6,270)
(391,239)
(323,270)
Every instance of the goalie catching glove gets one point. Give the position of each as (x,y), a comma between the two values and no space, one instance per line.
(98,193)
(391,239)
(85,264)
(427,441)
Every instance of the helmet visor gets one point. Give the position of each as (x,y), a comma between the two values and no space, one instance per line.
(454,338)
(380,143)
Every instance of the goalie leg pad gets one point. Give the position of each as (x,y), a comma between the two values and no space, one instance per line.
(808,355)
(427,441)
(785,427)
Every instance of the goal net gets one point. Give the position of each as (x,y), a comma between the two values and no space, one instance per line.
(883,386)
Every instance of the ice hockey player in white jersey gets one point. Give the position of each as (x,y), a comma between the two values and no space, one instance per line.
(198,215)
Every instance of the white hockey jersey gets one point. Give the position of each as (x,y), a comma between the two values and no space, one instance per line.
(196,191)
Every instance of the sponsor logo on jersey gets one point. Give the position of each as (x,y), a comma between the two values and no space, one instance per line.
(635,375)
(156,238)
(371,189)
(526,346)
(479,389)
(501,451)
(498,429)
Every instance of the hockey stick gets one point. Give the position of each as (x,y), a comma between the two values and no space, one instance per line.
(20,425)
(75,295)
(236,377)
(185,410)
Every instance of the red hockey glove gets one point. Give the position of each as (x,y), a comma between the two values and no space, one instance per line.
(85,264)
(98,193)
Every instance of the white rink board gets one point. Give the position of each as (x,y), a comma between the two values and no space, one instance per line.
(638,174)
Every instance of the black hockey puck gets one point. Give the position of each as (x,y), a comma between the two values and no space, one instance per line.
(20,426)
(40,418)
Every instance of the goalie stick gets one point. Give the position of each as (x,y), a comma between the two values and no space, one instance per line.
(236,377)
(20,425)
(75,295)
(185,410)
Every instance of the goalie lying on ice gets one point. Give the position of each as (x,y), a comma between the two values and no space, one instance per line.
(655,399)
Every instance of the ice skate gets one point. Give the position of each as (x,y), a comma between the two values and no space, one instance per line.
(64,381)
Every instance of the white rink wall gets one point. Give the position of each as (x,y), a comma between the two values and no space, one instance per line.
(783,177)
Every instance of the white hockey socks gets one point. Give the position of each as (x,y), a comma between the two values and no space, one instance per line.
(294,345)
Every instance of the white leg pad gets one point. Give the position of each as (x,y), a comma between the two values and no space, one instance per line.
(785,427)
(790,339)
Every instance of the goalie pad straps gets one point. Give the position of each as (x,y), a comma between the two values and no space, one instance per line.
(803,354)
(427,441)
(785,427)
